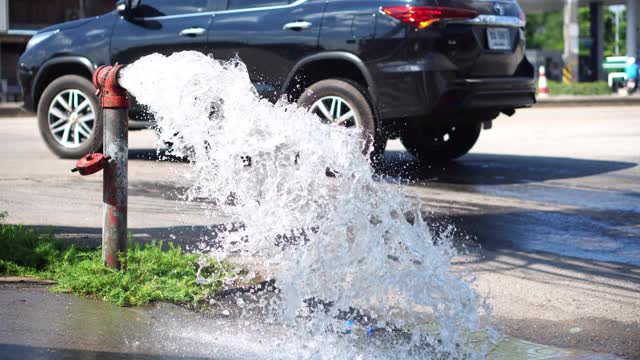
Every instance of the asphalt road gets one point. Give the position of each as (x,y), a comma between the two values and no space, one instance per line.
(548,204)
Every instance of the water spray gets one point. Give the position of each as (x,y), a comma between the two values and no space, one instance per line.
(336,242)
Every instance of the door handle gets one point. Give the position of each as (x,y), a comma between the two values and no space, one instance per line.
(297,25)
(192,32)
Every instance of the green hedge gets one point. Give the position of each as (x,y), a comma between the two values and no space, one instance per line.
(579,88)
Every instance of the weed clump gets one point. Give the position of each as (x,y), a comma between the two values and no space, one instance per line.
(151,273)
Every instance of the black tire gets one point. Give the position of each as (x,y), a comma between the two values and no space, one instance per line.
(441,145)
(88,140)
(356,98)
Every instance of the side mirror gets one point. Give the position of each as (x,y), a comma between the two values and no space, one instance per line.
(127,7)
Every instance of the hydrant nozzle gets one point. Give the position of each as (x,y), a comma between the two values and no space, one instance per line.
(112,95)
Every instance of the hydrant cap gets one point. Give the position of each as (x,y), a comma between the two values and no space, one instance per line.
(90,163)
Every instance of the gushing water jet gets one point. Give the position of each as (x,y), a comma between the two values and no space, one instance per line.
(366,245)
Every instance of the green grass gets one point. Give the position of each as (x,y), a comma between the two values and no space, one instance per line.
(151,274)
(580,88)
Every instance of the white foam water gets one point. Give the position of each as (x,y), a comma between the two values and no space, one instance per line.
(332,243)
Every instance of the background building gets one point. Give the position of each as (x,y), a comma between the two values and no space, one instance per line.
(19,20)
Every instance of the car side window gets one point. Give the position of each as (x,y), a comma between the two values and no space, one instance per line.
(153,8)
(218,5)
(246,4)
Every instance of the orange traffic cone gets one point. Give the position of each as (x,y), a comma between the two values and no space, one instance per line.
(543,90)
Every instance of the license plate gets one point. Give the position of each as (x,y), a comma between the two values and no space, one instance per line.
(499,39)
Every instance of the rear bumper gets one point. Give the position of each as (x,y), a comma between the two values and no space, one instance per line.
(420,94)
(488,93)
(413,90)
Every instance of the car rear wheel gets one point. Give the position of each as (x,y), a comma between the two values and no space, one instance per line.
(69,117)
(442,144)
(344,103)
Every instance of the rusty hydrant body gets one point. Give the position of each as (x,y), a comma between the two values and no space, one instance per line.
(115,106)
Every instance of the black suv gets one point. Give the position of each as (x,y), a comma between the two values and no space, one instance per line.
(431,72)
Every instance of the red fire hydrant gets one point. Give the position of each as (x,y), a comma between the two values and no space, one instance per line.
(115,108)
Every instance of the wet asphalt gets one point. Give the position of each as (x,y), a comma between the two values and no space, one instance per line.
(537,203)
(40,325)
(547,206)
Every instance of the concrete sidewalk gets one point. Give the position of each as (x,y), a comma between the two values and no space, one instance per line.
(592,100)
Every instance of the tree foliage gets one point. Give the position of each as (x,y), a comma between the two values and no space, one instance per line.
(545,31)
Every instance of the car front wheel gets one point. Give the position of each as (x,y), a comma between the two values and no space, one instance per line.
(441,144)
(69,117)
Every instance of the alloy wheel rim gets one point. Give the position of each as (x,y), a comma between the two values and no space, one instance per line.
(334,110)
(71,118)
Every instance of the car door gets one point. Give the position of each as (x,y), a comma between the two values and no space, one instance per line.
(270,36)
(163,26)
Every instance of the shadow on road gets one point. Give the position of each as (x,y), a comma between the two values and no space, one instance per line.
(605,234)
(472,169)
(153,155)
(188,237)
(494,169)
(596,225)
(527,238)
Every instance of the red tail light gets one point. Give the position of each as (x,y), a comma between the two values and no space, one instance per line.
(422,16)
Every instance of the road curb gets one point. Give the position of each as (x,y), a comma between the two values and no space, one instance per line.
(14,280)
(9,110)
(572,101)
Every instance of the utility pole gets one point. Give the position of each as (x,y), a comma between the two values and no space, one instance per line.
(596,20)
(632,27)
(571,42)
(617,12)
(82,13)
(4,15)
